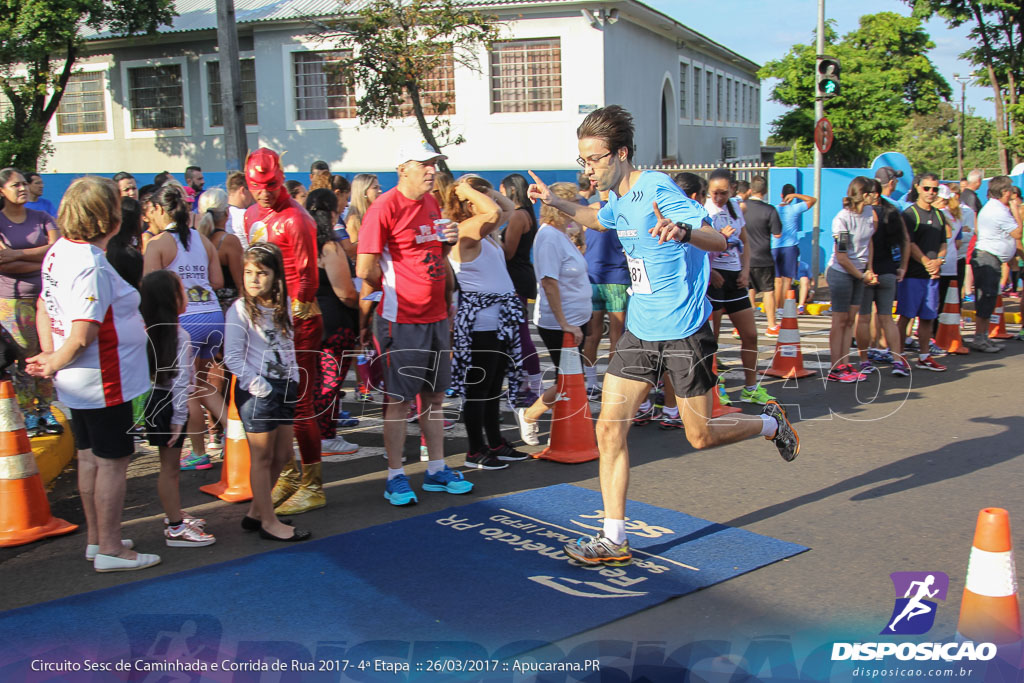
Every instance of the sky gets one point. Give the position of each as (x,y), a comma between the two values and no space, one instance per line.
(762,31)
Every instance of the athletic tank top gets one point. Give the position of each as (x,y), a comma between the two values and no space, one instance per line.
(520,268)
(191,266)
(484,274)
(229,281)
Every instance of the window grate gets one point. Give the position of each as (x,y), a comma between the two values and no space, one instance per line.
(156,96)
(526,75)
(248,86)
(82,109)
(321,92)
(438,85)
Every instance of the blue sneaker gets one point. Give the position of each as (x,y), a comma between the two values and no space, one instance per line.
(345,420)
(447,480)
(398,491)
(33,427)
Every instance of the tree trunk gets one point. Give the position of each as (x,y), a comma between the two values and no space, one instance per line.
(421,119)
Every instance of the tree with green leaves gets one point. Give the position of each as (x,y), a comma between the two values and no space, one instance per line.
(997,52)
(40,41)
(886,78)
(929,140)
(398,48)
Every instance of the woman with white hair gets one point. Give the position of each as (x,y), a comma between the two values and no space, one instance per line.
(213,218)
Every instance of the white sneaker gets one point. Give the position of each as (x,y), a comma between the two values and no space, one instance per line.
(93,549)
(337,446)
(529,433)
(112,563)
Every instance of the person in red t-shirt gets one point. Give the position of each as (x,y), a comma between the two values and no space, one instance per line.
(401,253)
(280,220)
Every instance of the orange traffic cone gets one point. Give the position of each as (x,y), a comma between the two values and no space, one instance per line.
(788,360)
(572,427)
(989,611)
(24,511)
(997,323)
(234,472)
(948,335)
(717,409)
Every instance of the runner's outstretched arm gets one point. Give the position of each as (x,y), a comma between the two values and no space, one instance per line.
(584,215)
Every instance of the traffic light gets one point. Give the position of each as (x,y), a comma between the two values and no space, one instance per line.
(828,77)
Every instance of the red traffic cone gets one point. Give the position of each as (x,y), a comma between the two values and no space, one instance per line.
(572,427)
(234,484)
(948,335)
(989,611)
(788,360)
(997,323)
(24,511)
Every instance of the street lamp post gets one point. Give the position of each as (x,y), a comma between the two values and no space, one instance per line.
(961,142)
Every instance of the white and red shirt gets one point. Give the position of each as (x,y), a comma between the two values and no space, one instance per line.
(401,230)
(80,284)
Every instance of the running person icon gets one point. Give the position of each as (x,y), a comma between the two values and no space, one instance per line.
(666,237)
(915,607)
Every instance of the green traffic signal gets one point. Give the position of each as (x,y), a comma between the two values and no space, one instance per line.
(827,76)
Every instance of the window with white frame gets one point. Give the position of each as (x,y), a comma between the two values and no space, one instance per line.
(684,87)
(727,115)
(698,84)
(735,101)
(247,85)
(526,75)
(723,108)
(321,91)
(709,96)
(156,97)
(438,86)
(83,108)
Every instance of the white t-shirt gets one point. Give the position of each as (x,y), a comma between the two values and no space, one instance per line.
(720,218)
(80,284)
(236,224)
(254,350)
(860,228)
(555,256)
(995,223)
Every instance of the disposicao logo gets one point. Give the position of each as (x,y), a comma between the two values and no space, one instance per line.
(914,611)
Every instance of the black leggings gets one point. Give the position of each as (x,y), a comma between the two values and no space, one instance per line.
(481,410)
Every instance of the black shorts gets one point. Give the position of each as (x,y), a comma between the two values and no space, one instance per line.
(688,361)
(730,295)
(762,278)
(107,431)
(553,339)
(159,411)
(262,415)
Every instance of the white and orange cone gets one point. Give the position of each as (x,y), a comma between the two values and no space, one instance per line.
(234,486)
(572,428)
(989,611)
(24,511)
(947,337)
(788,360)
(997,323)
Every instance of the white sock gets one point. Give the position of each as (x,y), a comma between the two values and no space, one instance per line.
(671,413)
(752,387)
(769,426)
(615,530)
(923,356)
(536,383)
(394,473)
(645,406)
(435,466)
(907,341)
(590,375)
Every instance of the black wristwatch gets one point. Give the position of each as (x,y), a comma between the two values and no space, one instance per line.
(689,231)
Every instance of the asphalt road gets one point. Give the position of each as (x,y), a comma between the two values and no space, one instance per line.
(891,477)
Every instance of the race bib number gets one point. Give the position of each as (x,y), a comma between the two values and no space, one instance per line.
(638,275)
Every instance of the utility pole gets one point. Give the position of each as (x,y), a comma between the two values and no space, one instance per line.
(819,112)
(236,146)
(961,141)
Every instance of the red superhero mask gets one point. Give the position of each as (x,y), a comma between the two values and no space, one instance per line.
(263,172)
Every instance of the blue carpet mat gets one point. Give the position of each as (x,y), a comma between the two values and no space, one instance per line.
(488,579)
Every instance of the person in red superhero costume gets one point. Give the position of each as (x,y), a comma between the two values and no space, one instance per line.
(280,220)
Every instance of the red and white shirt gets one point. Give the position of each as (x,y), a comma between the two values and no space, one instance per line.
(401,230)
(80,284)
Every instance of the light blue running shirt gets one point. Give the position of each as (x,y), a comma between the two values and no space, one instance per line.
(670,280)
(789,215)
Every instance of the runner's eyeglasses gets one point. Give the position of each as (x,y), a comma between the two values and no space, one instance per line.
(592,161)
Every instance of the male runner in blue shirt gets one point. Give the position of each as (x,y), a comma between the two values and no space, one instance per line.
(666,237)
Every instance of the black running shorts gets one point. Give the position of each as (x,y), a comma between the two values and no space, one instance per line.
(688,361)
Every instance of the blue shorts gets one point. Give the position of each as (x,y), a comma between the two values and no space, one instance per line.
(786,261)
(207,332)
(918,298)
(262,415)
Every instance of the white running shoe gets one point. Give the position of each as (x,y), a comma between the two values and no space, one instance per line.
(337,446)
(529,433)
(187,536)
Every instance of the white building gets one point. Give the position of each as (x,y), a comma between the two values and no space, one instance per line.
(152,103)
